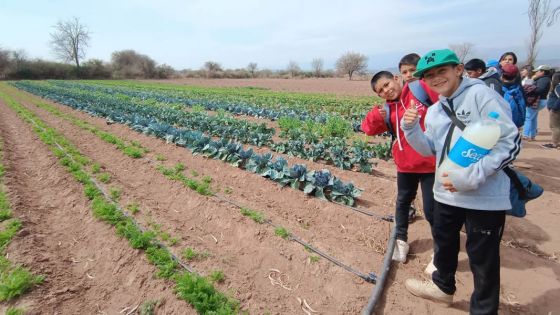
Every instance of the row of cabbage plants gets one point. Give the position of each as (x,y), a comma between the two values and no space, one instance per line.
(336,150)
(321,184)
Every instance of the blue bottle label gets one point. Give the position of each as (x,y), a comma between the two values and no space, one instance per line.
(465,153)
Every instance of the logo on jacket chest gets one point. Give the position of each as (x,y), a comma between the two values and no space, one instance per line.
(463,116)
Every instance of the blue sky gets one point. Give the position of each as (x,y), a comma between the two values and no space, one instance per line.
(185,34)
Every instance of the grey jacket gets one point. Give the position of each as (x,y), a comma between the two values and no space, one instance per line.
(480,186)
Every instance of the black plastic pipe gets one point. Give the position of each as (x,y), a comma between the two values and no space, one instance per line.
(380,284)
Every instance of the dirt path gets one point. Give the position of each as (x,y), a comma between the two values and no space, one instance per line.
(247,251)
(337,86)
(88,268)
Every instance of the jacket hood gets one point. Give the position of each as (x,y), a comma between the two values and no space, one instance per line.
(491,71)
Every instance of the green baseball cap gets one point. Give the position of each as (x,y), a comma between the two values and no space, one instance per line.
(435,58)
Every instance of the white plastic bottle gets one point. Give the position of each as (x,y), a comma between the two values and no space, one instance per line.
(476,142)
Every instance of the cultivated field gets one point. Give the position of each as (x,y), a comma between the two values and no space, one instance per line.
(148,195)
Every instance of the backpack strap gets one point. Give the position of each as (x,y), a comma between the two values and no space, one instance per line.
(494,84)
(420,93)
(455,122)
(387,120)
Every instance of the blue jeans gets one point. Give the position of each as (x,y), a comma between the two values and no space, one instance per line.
(531,115)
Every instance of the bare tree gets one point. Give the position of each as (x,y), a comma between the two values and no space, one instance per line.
(351,62)
(462,50)
(19,57)
(293,68)
(317,66)
(252,67)
(211,67)
(539,12)
(70,40)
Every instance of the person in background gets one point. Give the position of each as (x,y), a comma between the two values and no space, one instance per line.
(476,196)
(508,58)
(412,169)
(526,73)
(407,67)
(553,105)
(513,93)
(486,72)
(542,87)
(475,68)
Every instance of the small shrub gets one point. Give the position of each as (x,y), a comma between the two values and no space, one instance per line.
(115,193)
(282,232)
(217,276)
(104,177)
(133,207)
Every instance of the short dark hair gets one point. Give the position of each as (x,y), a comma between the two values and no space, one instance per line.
(410,59)
(379,75)
(509,53)
(475,64)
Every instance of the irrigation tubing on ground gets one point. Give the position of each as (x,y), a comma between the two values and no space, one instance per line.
(380,284)
(370,277)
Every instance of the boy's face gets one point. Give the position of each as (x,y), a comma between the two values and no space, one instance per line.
(388,88)
(407,72)
(444,80)
(474,73)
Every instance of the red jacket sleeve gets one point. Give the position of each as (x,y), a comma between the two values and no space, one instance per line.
(434,97)
(374,124)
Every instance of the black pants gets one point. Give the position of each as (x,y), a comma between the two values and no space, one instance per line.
(407,185)
(484,232)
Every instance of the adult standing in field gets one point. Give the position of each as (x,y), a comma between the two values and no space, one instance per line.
(553,105)
(542,87)
(412,169)
(513,93)
(508,58)
(475,196)
(526,73)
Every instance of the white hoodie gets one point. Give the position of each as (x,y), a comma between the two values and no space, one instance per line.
(480,186)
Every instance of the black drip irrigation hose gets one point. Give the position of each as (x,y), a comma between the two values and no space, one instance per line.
(380,285)
(388,217)
(370,277)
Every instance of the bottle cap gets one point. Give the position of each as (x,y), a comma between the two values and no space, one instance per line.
(493,115)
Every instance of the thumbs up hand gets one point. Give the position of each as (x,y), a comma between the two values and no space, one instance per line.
(411,114)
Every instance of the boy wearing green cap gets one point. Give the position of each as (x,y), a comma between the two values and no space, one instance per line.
(476,196)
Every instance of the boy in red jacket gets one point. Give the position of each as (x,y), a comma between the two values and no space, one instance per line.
(412,168)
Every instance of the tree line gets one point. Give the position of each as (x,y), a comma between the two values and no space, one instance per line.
(70,40)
